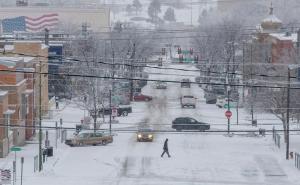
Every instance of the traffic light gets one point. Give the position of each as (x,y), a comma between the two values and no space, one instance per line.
(191,51)
(163,51)
(196,59)
(179,51)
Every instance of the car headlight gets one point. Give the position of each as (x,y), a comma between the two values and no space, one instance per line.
(150,136)
(139,135)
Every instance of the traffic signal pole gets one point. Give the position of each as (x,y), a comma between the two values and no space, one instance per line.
(228,109)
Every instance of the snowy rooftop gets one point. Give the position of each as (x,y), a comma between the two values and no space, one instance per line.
(272,18)
(2,93)
(284,36)
(11,61)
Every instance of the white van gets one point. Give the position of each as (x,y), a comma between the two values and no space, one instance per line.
(188,101)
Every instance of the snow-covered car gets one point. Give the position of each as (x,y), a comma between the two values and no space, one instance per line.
(90,138)
(144,134)
(161,85)
(210,97)
(185,83)
(187,123)
(188,101)
(222,102)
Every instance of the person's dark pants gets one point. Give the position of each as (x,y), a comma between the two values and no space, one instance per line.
(165,151)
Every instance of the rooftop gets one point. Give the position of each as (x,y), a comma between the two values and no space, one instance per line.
(283,36)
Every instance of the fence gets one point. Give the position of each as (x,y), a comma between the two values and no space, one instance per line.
(297,160)
(276,137)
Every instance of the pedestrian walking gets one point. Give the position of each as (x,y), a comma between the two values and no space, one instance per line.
(57,104)
(166,149)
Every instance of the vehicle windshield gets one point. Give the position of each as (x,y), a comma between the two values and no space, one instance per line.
(150,92)
(188,96)
(145,130)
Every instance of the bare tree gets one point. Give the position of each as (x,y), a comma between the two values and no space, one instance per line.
(170,15)
(90,87)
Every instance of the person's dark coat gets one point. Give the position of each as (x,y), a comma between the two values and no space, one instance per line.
(166,145)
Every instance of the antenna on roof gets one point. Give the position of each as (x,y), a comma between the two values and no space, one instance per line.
(271,8)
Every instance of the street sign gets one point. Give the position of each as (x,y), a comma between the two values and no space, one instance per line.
(15,149)
(228,114)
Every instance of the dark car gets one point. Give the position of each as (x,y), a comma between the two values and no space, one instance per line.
(186,83)
(187,123)
(141,97)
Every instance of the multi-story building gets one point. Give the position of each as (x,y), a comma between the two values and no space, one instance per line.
(18,98)
(6,137)
(35,54)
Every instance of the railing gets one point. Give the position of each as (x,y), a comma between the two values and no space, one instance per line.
(276,137)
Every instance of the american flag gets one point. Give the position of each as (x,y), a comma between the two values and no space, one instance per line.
(30,24)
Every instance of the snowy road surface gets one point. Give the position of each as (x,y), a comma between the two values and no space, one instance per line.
(196,158)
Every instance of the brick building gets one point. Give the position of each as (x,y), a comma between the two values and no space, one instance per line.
(20,97)
(5,135)
(34,53)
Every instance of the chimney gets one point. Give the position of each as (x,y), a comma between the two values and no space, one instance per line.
(46,37)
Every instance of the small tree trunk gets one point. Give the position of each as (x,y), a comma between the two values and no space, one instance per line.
(284,122)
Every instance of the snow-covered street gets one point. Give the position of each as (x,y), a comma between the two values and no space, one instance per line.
(196,158)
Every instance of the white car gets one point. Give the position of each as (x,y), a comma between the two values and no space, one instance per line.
(222,102)
(188,101)
(161,85)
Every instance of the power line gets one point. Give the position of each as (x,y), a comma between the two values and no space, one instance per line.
(154,67)
(135,130)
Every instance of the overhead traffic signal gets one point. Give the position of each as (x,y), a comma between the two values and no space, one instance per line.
(191,51)
(179,50)
(196,59)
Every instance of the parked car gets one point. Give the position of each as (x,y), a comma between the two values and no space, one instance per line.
(141,97)
(90,138)
(123,110)
(160,85)
(185,83)
(144,134)
(187,123)
(210,97)
(188,101)
(222,102)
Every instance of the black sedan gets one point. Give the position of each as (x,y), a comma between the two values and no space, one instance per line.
(187,123)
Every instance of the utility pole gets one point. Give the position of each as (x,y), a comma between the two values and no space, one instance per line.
(131,72)
(110,112)
(251,71)
(40,118)
(228,108)
(288,116)
(191,12)
(243,60)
